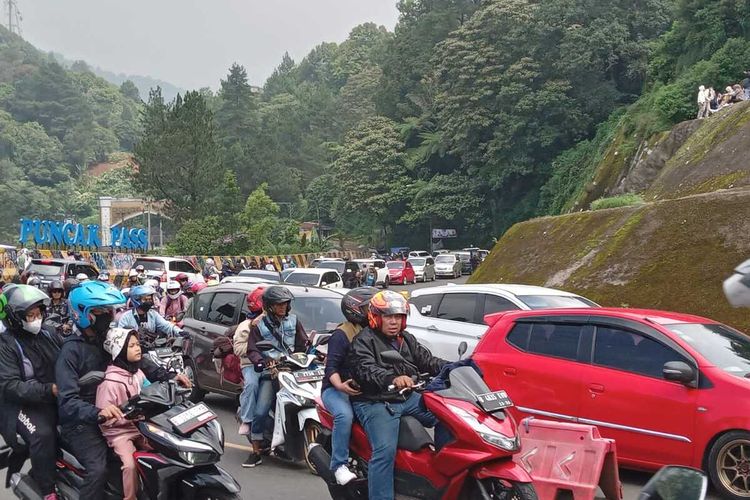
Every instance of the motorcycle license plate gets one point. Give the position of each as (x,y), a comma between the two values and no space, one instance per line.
(494,401)
(309,375)
(192,418)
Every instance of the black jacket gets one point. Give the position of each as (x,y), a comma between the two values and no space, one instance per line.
(16,391)
(374,375)
(78,356)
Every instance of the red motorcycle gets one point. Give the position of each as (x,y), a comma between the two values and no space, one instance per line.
(476,464)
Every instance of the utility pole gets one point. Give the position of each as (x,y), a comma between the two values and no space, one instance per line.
(14,16)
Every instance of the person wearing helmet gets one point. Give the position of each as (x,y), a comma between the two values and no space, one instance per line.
(103,277)
(133,278)
(184,282)
(174,303)
(379,409)
(59,305)
(68,285)
(141,273)
(143,318)
(250,377)
(34,281)
(287,335)
(209,268)
(338,385)
(92,308)
(123,380)
(81,277)
(27,382)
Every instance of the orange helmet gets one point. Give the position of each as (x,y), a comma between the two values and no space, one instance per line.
(387,303)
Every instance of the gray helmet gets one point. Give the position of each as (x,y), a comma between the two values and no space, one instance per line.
(737,286)
(56,285)
(19,299)
(277,295)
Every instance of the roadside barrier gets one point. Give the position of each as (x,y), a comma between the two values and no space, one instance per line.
(568,458)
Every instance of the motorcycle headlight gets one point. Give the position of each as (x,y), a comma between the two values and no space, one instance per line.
(194,458)
(488,435)
(192,446)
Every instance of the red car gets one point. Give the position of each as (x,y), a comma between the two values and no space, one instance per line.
(401,272)
(669,388)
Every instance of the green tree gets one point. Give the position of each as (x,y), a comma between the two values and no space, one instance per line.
(129,90)
(260,218)
(282,80)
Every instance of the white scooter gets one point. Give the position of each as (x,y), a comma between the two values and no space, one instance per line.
(296,423)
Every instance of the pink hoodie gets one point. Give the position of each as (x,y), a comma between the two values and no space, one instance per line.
(112,392)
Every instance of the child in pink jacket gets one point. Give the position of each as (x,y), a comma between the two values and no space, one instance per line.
(123,380)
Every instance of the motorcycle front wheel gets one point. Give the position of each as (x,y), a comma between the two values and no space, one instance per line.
(499,489)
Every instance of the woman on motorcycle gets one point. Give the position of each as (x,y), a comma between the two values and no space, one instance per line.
(174,303)
(123,380)
(27,382)
(337,382)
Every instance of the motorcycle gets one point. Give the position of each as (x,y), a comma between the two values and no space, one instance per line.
(187,442)
(476,463)
(166,352)
(296,424)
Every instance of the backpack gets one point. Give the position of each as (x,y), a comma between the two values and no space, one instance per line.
(228,364)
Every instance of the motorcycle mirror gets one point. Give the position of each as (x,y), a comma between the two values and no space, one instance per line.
(676,483)
(265,345)
(178,343)
(462,347)
(392,357)
(91,378)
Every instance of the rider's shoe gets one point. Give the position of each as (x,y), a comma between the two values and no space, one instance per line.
(344,475)
(280,454)
(252,460)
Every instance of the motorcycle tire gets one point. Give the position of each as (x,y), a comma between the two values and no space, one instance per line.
(211,494)
(498,489)
(197,395)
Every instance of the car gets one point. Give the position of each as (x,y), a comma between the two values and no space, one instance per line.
(49,270)
(480,252)
(167,268)
(424,267)
(383,279)
(261,274)
(401,272)
(248,279)
(316,262)
(419,253)
(465,258)
(669,388)
(447,265)
(214,309)
(315,276)
(349,271)
(444,316)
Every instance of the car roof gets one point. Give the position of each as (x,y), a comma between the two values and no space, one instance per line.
(367,260)
(58,261)
(313,270)
(654,316)
(249,279)
(160,259)
(494,287)
(258,272)
(297,290)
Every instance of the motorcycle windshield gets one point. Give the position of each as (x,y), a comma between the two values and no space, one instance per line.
(465,385)
(159,393)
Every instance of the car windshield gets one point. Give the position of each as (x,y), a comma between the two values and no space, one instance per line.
(318,313)
(266,275)
(445,259)
(464,256)
(150,265)
(722,346)
(417,262)
(337,265)
(297,278)
(555,301)
(46,269)
(395,265)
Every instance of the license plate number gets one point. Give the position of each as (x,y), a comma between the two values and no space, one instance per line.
(192,418)
(309,375)
(494,401)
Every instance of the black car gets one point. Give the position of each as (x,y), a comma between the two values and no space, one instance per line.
(214,309)
(50,270)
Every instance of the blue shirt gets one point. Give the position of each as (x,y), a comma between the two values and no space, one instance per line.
(338,350)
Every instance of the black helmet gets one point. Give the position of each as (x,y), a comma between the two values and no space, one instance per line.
(69,284)
(56,285)
(354,304)
(18,300)
(276,295)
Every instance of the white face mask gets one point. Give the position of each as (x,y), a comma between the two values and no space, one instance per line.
(34,327)
(174,295)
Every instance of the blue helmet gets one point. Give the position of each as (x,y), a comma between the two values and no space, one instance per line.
(89,295)
(140,291)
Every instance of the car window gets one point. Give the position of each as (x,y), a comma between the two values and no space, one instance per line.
(458,307)
(200,309)
(495,303)
(519,336)
(181,267)
(379,264)
(50,269)
(445,259)
(331,278)
(558,340)
(223,308)
(87,270)
(554,301)
(337,265)
(632,352)
(149,265)
(303,278)
(426,304)
(395,264)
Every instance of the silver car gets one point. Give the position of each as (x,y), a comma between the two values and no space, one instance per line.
(447,265)
(424,268)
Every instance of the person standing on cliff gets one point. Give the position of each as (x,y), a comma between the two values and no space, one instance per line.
(702,102)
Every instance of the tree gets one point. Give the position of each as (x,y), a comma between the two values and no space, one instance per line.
(129,90)
(260,217)
(236,116)
(282,80)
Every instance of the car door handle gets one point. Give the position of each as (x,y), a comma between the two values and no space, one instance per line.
(596,388)
(511,372)
(432,328)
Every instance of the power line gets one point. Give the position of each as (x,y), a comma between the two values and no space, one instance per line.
(14,16)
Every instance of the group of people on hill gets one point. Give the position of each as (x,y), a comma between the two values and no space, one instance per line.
(710,101)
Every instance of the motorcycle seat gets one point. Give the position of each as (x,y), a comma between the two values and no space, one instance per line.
(412,436)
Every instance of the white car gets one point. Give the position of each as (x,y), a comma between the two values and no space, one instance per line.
(384,279)
(443,316)
(315,276)
(447,265)
(419,253)
(317,261)
(167,268)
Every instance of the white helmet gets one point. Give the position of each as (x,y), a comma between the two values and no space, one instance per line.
(82,277)
(737,286)
(210,261)
(115,341)
(174,289)
(152,283)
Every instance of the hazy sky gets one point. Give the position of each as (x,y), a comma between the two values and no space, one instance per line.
(192,43)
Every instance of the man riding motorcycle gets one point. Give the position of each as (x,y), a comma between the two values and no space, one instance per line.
(378,408)
(92,308)
(286,333)
(143,318)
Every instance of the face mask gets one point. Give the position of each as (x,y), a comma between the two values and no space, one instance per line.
(101,323)
(145,306)
(34,327)
(174,295)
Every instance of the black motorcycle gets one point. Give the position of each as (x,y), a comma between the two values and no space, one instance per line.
(187,442)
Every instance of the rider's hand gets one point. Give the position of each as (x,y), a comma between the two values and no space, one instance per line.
(183,380)
(259,366)
(54,390)
(403,382)
(111,412)
(346,387)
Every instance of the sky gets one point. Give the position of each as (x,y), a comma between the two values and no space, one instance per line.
(192,43)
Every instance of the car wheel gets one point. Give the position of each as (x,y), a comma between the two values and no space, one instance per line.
(197,395)
(386,283)
(414,280)
(729,465)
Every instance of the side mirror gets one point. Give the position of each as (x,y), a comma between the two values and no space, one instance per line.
(91,378)
(462,348)
(323,283)
(678,371)
(265,345)
(392,357)
(676,483)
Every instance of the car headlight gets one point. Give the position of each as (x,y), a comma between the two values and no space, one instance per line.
(488,435)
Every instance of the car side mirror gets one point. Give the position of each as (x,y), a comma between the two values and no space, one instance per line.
(265,345)
(676,483)
(91,378)
(678,371)
(462,348)
(323,283)
(392,357)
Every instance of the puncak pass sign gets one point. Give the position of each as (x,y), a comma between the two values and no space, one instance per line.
(68,234)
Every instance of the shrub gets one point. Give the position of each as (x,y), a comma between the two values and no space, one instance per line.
(624,200)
